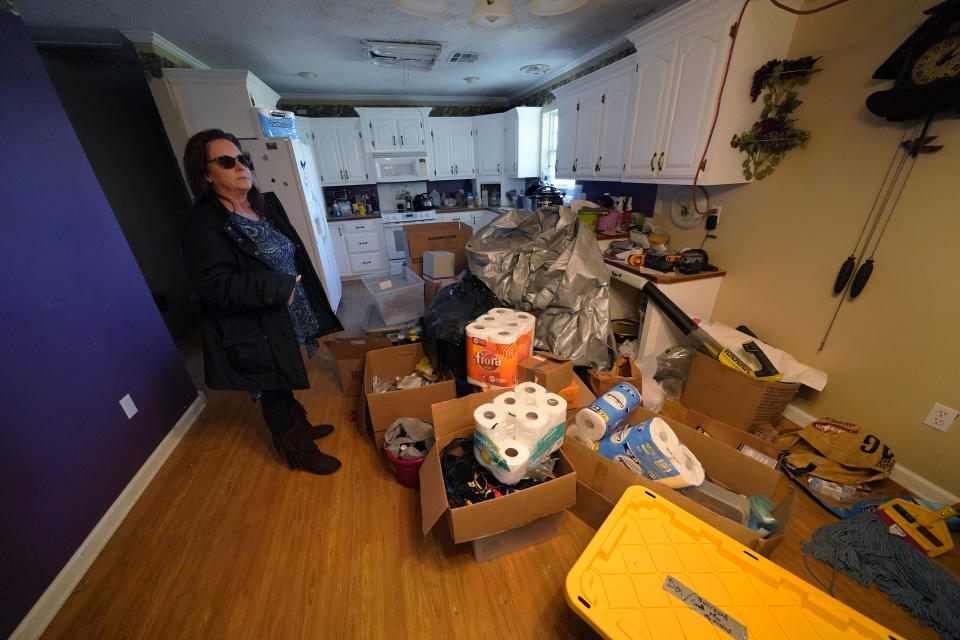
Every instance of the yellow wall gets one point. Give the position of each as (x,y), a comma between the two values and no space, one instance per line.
(895,350)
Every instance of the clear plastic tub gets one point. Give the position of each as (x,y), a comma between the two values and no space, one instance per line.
(398,297)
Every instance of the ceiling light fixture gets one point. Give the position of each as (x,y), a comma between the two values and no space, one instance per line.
(409,55)
(492,14)
(535,69)
(307,75)
(472,79)
(554,7)
(424,8)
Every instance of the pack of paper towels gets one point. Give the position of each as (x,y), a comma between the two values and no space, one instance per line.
(497,342)
(518,430)
(652,449)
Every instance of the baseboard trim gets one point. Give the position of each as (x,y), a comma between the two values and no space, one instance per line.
(910,480)
(45,609)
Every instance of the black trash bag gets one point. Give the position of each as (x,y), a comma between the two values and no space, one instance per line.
(445,321)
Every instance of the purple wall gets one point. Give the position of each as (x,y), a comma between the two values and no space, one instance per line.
(80,330)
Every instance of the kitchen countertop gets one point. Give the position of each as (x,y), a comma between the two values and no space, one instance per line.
(346,218)
(458,209)
(660,277)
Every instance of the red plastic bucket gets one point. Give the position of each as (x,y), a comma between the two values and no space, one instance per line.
(407,471)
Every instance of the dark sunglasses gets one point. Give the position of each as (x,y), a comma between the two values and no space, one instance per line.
(229,162)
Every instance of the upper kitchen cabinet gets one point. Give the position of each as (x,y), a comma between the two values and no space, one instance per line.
(521,142)
(592,118)
(451,148)
(679,64)
(488,136)
(337,145)
(393,129)
(213,99)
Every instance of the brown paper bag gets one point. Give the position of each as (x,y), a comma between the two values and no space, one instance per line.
(838,451)
(623,370)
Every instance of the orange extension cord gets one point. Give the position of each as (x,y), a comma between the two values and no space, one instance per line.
(723,83)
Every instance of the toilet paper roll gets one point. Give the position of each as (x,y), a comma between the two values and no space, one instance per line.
(502,313)
(508,402)
(517,457)
(488,319)
(531,424)
(492,421)
(556,408)
(657,433)
(691,470)
(491,355)
(530,393)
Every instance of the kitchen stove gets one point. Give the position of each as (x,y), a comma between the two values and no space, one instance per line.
(398,251)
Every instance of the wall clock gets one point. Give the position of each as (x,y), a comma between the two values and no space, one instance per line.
(925,69)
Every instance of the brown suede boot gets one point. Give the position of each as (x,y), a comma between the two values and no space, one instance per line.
(301,453)
(300,416)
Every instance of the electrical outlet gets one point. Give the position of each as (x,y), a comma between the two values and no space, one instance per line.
(941,417)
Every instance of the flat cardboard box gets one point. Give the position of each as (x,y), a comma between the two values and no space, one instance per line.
(438,236)
(601,482)
(384,408)
(546,369)
(724,393)
(350,355)
(438,264)
(490,547)
(454,419)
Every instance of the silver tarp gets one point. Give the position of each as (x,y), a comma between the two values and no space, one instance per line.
(549,262)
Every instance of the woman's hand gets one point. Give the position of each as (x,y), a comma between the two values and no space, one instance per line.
(294,292)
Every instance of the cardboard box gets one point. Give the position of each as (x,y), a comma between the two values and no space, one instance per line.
(546,369)
(490,547)
(601,482)
(438,265)
(430,288)
(725,433)
(438,236)
(726,394)
(454,419)
(350,355)
(384,408)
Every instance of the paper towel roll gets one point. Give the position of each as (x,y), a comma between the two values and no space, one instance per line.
(508,402)
(492,421)
(690,468)
(531,424)
(530,392)
(661,436)
(501,312)
(556,408)
(491,355)
(529,327)
(488,319)
(608,411)
(517,456)
(478,353)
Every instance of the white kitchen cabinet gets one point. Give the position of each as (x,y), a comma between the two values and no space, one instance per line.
(337,145)
(590,134)
(466,217)
(216,99)
(359,246)
(451,147)
(393,129)
(680,62)
(521,142)
(481,218)
(488,143)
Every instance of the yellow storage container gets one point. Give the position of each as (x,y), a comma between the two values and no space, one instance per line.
(655,572)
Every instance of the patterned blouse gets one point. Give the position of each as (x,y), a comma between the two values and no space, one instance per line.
(278,251)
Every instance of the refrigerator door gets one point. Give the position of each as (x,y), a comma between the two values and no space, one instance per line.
(285,167)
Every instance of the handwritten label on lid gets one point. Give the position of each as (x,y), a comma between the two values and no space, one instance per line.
(700,605)
(386,284)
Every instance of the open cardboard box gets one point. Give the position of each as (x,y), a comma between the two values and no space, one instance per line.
(726,394)
(725,433)
(384,408)
(438,236)
(350,355)
(454,419)
(601,482)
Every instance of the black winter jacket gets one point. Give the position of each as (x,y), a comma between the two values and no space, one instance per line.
(248,338)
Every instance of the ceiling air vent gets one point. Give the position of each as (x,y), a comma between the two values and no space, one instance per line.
(463,56)
(411,55)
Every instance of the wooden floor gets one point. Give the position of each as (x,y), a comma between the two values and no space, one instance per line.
(228,543)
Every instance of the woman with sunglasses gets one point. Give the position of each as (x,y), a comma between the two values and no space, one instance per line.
(259,295)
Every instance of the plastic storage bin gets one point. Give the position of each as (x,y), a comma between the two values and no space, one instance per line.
(398,297)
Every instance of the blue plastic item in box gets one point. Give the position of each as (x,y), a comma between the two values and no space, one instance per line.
(278,124)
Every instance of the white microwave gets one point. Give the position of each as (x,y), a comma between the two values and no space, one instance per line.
(401,168)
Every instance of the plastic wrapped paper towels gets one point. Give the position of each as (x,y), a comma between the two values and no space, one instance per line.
(550,262)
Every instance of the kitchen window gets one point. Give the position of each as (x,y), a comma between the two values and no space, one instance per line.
(550,126)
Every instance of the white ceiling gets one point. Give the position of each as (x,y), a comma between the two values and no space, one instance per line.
(277,39)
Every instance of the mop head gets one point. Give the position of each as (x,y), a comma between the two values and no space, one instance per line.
(863,548)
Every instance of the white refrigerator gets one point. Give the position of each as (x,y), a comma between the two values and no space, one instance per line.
(285,167)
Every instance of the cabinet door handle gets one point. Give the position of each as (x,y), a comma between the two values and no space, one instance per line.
(341,174)
(575,164)
(451,169)
(600,163)
(652,158)
(660,162)
(364,242)
(498,167)
(347,171)
(394,140)
(401,141)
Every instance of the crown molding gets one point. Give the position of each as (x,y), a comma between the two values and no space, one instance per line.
(155,43)
(361,99)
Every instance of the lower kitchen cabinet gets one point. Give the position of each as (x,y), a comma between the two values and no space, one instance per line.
(359,246)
